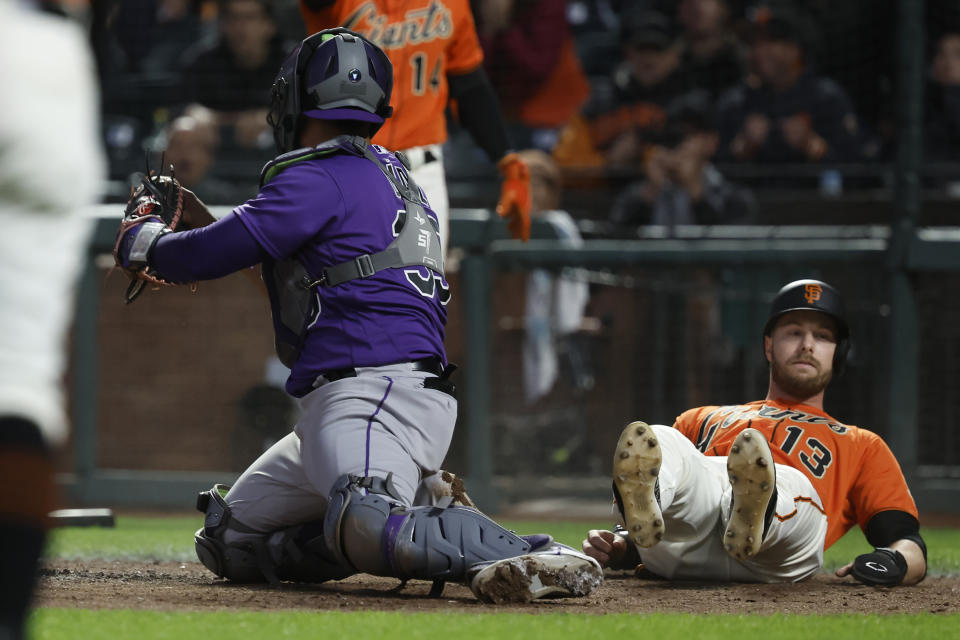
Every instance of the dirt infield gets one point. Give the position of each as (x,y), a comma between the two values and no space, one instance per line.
(189,586)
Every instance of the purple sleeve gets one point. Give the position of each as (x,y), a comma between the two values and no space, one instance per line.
(302,201)
(206,253)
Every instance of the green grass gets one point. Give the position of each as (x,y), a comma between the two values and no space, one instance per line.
(171,539)
(48,624)
(133,538)
(943,550)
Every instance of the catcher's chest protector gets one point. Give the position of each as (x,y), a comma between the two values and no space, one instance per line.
(416,243)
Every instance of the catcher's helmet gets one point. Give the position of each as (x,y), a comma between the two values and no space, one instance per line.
(335,74)
(813,295)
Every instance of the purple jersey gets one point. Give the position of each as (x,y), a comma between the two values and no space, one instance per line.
(329,210)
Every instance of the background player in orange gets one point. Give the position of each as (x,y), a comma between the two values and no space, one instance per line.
(784,479)
(436,56)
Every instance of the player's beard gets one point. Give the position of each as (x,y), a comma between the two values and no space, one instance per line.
(800,386)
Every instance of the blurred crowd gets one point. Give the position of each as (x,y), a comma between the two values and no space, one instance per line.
(674,110)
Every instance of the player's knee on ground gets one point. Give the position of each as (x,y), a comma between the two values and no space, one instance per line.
(233,551)
(370,530)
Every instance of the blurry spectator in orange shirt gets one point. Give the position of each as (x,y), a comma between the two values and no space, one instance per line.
(631,100)
(531,60)
(680,185)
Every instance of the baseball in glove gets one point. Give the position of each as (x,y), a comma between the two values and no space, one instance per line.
(154,209)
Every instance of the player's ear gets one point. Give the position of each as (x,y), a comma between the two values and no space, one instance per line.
(836,360)
(768,347)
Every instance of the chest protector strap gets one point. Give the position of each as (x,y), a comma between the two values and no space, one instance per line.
(416,243)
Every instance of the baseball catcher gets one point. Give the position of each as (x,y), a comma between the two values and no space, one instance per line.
(351,258)
(783,478)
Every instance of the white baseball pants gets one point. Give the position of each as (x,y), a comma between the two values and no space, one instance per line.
(695,498)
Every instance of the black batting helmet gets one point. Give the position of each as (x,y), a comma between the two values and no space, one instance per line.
(335,74)
(813,295)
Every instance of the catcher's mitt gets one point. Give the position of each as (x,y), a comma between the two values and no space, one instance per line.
(155,208)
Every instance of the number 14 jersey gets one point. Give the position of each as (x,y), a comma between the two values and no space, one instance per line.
(425,40)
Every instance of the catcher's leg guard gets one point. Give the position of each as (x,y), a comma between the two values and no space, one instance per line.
(368,528)
(236,552)
(753,479)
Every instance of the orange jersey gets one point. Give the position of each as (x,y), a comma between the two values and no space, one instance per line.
(852,469)
(560,96)
(425,40)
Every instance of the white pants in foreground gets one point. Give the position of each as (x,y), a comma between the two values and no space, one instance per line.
(695,500)
(41,254)
(51,166)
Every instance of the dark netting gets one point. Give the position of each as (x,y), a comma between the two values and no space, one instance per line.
(941,107)
(654,342)
(570,95)
(938,404)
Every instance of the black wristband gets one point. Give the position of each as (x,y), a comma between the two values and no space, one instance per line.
(884,567)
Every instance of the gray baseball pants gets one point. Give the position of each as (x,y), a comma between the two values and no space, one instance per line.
(382,421)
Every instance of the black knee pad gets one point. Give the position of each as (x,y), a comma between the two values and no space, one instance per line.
(238,563)
(235,563)
(301,554)
(296,554)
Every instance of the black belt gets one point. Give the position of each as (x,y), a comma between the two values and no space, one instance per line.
(431,365)
(428,157)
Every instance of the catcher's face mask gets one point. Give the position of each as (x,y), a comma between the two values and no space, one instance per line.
(335,74)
